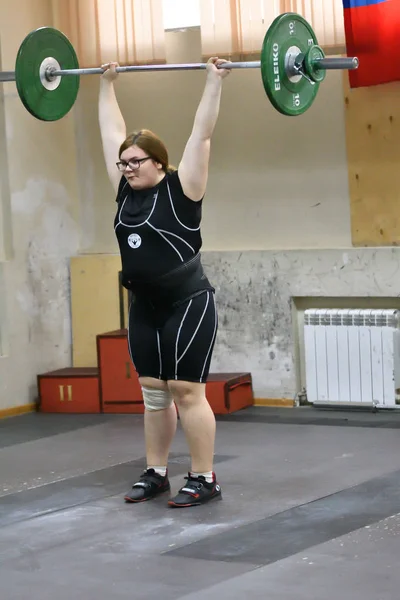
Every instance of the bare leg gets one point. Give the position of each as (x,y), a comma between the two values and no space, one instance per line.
(198,422)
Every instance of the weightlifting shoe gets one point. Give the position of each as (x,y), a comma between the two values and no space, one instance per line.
(197,491)
(150,485)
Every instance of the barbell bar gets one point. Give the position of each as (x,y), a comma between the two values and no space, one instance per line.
(7,76)
(51,73)
(323,63)
(292,67)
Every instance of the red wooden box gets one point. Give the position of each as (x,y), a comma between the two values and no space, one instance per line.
(120,391)
(229,392)
(73,390)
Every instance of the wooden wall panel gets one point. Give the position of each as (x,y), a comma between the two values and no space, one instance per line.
(94,303)
(373,154)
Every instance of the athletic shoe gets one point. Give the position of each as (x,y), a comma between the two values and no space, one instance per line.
(150,484)
(197,491)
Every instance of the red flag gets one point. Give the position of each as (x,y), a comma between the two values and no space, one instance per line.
(372,34)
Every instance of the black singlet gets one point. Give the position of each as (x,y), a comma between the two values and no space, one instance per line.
(158,232)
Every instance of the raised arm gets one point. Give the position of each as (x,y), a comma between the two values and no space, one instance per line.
(112,124)
(193,168)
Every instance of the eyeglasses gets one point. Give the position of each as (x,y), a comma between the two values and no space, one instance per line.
(132,164)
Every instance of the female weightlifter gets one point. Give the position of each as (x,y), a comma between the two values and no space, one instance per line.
(172,316)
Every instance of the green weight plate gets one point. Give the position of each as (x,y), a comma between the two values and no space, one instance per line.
(288,35)
(44,100)
(314,53)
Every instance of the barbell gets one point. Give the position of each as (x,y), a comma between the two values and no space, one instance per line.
(292,65)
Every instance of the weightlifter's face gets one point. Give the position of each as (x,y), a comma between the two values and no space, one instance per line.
(141,171)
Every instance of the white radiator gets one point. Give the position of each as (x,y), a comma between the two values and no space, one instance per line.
(352,356)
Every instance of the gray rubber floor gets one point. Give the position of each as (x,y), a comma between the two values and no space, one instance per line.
(310,509)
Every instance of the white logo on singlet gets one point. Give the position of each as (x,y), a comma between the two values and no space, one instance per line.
(134,240)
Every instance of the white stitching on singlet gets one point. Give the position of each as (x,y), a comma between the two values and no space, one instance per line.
(176,216)
(177,339)
(159,352)
(197,328)
(212,341)
(129,338)
(178,237)
(167,240)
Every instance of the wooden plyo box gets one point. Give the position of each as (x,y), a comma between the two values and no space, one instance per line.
(229,392)
(74,390)
(120,391)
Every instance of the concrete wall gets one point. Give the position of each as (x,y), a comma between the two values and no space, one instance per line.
(262,297)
